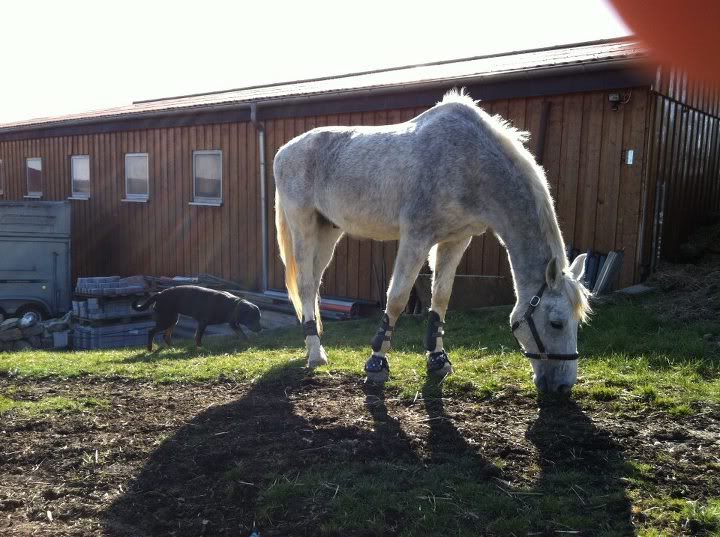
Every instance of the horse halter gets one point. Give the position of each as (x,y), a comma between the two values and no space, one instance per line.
(527,318)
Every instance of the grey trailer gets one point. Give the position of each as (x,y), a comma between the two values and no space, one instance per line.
(34,258)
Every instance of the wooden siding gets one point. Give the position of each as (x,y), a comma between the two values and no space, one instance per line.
(165,236)
(598,197)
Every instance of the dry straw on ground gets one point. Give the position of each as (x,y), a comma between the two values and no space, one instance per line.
(691,291)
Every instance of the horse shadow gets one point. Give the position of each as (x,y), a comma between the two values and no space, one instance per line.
(277,460)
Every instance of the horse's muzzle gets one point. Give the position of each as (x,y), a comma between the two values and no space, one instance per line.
(545,385)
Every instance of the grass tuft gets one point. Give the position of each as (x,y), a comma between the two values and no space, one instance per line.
(50,404)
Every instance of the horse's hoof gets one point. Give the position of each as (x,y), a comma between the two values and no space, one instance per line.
(438,364)
(377,369)
(317,359)
(317,362)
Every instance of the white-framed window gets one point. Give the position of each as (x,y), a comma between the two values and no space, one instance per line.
(2,177)
(80,173)
(33,174)
(207,177)
(137,177)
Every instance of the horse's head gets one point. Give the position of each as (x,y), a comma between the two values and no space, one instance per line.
(546,325)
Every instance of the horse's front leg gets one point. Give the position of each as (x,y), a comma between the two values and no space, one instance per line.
(410,258)
(443,261)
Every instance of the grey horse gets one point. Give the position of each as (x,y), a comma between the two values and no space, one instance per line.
(431,183)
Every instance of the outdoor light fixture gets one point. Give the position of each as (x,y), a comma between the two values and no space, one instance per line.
(617,98)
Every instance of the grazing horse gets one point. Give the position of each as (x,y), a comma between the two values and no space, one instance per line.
(431,183)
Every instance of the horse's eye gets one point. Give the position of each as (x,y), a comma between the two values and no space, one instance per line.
(556,324)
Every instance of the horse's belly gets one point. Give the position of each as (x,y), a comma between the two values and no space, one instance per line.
(378,228)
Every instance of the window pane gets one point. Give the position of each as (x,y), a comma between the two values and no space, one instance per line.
(81,168)
(207,176)
(137,187)
(34,175)
(136,175)
(81,175)
(81,187)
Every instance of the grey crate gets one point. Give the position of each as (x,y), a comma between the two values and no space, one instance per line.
(112,308)
(112,336)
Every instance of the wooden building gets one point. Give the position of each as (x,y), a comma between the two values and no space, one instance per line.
(184,185)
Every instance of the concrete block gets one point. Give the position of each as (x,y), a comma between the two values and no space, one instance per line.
(11,335)
(7,324)
(60,339)
(34,330)
(22,345)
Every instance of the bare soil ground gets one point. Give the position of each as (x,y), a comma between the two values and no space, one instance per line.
(157,460)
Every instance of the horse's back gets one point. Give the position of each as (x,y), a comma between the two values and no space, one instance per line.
(351,161)
(369,180)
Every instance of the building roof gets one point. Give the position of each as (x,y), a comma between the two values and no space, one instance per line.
(457,72)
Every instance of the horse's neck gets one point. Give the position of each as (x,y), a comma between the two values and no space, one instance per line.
(529,252)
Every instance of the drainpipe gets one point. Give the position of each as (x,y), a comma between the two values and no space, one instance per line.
(263,195)
(544,114)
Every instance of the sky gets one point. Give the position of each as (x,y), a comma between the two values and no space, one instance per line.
(61,57)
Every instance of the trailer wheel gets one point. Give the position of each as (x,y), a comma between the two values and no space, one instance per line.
(39,310)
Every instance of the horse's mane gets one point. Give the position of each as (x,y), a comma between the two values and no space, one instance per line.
(513,139)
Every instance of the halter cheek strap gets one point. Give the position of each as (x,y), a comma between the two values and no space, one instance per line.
(527,318)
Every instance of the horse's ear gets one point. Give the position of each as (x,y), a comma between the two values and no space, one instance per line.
(552,273)
(578,267)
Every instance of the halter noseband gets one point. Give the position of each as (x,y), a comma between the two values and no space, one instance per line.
(527,318)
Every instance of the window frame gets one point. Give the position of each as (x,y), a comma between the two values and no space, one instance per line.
(38,194)
(201,200)
(137,197)
(78,195)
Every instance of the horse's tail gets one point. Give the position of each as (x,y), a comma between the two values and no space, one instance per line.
(285,243)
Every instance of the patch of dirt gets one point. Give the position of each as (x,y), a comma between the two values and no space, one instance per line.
(155,461)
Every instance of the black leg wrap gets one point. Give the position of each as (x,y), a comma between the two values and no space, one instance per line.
(434,331)
(310,328)
(376,364)
(380,335)
(438,361)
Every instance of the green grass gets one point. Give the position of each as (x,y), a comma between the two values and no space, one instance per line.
(696,518)
(49,404)
(627,357)
(444,499)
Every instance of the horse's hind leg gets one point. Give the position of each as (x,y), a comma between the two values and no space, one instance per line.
(443,261)
(410,258)
(313,245)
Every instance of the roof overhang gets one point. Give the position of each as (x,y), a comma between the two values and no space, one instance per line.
(568,78)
